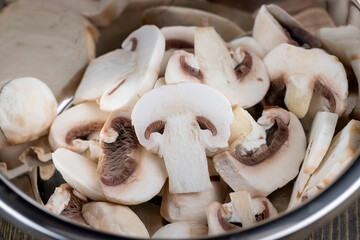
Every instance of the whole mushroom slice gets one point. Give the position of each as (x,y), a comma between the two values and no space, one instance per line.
(67,202)
(274,26)
(342,151)
(78,130)
(302,78)
(163,16)
(321,134)
(183,230)
(129,174)
(312,19)
(180,122)
(237,74)
(27,109)
(248,43)
(243,211)
(84,180)
(273,164)
(114,218)
(119,78)
(178,37)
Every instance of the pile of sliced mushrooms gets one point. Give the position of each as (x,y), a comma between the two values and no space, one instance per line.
(195,125)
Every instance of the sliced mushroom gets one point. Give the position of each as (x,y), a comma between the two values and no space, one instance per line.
(320,137)
(160,82)
(235,78)
(273,164)
(129,174)
(191,206)
(182,230)
(163,16)
(248,43)
(243,211)
(342,151)
(180,122)
(114,218)
(178,37)
(149,214)
(119,78)
(27,109)
(301,78)
(312,19)
(78,129)
(274,26)
(85,181)
(67,202)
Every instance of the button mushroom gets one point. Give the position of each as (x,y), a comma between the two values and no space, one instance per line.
(114,218)
(249,44)
(179,122)
(78,129)
(282,154)
(129,174)
(119,78)
(303,77)
(182,230)
(27,109)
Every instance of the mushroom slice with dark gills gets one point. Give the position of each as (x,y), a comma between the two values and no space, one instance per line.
(274,26)
(302,78)
(78,129)
(182,123)
(262,168)
(243,211)
(67,202)
(129,174)
(119,78)
(238,73)
(248,43)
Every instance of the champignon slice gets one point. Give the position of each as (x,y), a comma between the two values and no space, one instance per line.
(178,37)
(312,19)
(160,82)
(181,16)
(180,122)
(274,26)
(114,219)
(183,230)
(301,78)
(342,151)
(78,129)
(237,74)
(321,134)
(167,55)
(129,174)
(248,43)
(67,202)
(119,78)
(271,166)
(79,172)
(27,109)
(191,206)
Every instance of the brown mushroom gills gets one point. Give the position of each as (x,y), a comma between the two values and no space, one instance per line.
(265,214)
(177,44)
(117,165)
(227,226)
(196,73)
(243,68)
(82,132)
(73,210)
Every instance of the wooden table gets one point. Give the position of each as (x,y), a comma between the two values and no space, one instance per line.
(345,226)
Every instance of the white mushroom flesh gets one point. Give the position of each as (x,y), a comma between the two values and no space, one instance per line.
(183,230)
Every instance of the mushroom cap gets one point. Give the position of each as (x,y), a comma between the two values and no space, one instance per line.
(294,66)
(85,181)
(274,172)
(181,230)
(181,16)
(27,109)
(142,173)
(248,43)
(119,78)
(74,128)
(114,218)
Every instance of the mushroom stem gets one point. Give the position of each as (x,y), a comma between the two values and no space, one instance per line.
(184,154)
(18,171)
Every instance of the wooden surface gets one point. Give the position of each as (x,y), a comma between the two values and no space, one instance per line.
(345,226)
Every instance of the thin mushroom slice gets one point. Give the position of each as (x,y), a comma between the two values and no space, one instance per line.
(78,129)
(321,134)
(302,78)
(119,78)
(181,122)
(67,202)
(114,219)
(178,37)
(183,230)
(181,16)
(129,174)
(274,26)
(27,109)
(342,151)
(84,180)
(273,164)
(249,44)
(312,19)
